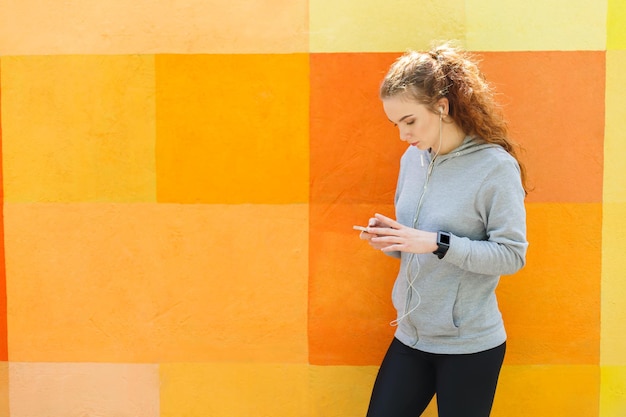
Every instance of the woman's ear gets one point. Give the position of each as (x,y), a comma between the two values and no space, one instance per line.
(443,106)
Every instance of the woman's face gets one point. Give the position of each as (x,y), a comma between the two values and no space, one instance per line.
(418,125)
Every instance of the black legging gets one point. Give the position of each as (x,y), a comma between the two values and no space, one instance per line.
(408,379)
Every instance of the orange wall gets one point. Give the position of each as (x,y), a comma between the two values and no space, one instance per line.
(179,182)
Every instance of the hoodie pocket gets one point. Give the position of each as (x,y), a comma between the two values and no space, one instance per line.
(435,316)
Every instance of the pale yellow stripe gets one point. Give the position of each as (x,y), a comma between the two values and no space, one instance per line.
(84,389)
(79,128)
(616,22)
(32,27)
(615,136)
(613,339)
(157,282)
(383,26)
(613,391)
(513,25)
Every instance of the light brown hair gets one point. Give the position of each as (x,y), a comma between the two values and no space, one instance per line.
(448,71)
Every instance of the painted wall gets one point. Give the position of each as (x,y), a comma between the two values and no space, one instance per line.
(180,179)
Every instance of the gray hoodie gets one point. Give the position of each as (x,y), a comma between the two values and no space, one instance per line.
(474,192)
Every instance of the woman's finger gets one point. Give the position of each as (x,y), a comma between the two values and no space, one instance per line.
(388,221)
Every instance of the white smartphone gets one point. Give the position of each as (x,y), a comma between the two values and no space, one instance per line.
(361,228)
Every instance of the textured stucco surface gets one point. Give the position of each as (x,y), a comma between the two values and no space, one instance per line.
(180,178)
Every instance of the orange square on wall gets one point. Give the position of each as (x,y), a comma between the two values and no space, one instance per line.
(554,102)
(355,150)
(348,184)
(349,288)
(355,156)
(551,307)
(4,354)
(232,128)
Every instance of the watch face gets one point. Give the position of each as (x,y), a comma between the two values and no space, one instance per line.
(444,238)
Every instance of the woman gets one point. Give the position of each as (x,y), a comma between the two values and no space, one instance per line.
(461,223)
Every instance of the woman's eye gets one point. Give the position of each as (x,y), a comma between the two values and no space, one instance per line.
(411,122)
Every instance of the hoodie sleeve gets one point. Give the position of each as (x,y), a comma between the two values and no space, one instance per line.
(500,202)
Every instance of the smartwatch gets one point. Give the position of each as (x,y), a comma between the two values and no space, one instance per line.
(443,244)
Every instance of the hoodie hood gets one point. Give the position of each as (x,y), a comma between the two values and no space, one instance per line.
(470,145)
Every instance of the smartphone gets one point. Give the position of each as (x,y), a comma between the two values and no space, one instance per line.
(361,228)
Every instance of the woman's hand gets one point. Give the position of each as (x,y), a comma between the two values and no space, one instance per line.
(373,222)
(388,235)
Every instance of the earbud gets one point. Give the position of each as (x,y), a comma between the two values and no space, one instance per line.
(441,110)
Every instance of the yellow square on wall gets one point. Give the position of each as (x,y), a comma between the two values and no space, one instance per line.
(233,390)
(78,128)
(616,25)
(383,26)
(615,139)
(536,25)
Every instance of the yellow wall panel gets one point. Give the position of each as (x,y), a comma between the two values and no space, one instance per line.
(615,135)
(233,128)
(554,391)
(613,391)
(33,27)
(616,22)
(78,128)
(613,342)
(383,26)
(340,391)
(533,390)
(84,389)
(156,283)
(233,390)
(512,25)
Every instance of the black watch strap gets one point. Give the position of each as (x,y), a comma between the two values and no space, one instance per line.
(443,244)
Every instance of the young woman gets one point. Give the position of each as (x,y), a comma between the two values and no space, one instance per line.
(460,224)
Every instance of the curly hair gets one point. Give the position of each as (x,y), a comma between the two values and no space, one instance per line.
(448,71)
